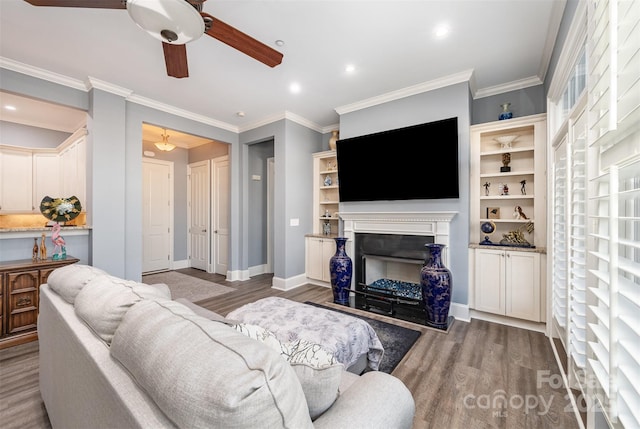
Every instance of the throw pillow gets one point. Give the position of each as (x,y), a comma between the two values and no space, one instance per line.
(202,373)
(317,370)
(103,302)
(69,280)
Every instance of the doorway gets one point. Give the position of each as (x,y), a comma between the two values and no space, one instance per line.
(157,212)
(198,203)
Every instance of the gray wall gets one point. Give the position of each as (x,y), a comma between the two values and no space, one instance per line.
(430,106)
(293,146)
(257,210)
(32,137)
(114,166)
(524,102)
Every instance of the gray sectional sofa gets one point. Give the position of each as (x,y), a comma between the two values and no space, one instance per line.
(121,354)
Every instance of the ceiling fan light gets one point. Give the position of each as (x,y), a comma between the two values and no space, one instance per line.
(162,17)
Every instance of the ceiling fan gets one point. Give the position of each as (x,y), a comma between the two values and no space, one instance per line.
(175,23)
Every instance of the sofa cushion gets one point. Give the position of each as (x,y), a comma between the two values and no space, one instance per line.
(67,281)
(103,302)
(203,373)
(317,370)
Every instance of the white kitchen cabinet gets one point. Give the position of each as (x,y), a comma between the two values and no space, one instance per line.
(507,282)
(46,177)
(16,181)
(318,253)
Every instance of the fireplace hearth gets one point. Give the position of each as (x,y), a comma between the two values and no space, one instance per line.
(388,251)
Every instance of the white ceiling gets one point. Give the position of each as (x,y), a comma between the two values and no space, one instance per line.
(502,44)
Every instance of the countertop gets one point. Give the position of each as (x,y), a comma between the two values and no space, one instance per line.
(541,250)
(33,232)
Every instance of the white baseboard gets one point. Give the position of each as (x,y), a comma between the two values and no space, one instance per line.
(460,312)
(178,265)
(503,320)
(238,275)
(318,282)
(257,270)
(290,283)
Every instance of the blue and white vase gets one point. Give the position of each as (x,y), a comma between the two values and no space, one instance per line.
(341,268)
(435,280)
(506,113)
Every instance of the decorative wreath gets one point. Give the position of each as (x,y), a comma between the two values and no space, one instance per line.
(60,209)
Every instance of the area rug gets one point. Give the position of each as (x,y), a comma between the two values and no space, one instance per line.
(396,340)
(187,287)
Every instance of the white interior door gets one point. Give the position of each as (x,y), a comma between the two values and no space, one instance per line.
(220,186)
(157,210)
(198,207)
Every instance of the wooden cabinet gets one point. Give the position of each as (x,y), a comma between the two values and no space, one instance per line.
(319,251)
(16,181)
(507,282)
(19,292)
(27,175)
(46,177)
(72,163)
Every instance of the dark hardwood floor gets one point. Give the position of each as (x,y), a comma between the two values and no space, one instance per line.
(478,375)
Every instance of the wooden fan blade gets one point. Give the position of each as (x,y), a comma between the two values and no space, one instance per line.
(99,4)
(175,57)
(242,42)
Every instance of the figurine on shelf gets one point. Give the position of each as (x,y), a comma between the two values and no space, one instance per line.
(35,251)
(523,188)
(326,213)
(327,180)
(43,248)
(326,228)
(506,159)
(519,214)
(486,188)
(504,189)
(59,248)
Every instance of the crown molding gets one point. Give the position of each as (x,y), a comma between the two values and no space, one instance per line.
(511,86)
(43,74)
(93,83)
(330,128)
(557,11)
(154,104)
(406,92)
(572,47)
(278,117)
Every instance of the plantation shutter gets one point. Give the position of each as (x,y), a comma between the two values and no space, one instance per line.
(613,260)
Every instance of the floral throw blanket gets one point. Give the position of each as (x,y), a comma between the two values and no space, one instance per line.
(345,336)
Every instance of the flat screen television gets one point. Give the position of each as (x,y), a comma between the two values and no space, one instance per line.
(415,162)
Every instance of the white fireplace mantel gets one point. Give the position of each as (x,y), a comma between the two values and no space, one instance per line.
(433,223)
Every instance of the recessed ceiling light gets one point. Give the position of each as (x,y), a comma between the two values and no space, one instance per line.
(10,107)
(240,114)
(295,87)
(441,31)
(350,68)
(279,42)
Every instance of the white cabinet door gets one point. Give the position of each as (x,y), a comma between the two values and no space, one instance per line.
(508,283)
(522,271)
(318,253)
(490,281)
(69,166)
(46,177)
(81,172)
(16,181)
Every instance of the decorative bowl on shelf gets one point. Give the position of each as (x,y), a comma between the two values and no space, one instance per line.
(505,141)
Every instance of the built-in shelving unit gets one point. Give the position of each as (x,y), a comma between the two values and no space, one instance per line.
(508,193)
(320,245)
